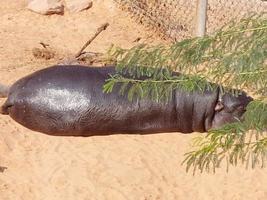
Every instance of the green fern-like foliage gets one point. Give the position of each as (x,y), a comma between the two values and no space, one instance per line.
(241,141)
(234,57)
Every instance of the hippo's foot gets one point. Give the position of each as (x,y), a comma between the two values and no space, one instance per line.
(4,109)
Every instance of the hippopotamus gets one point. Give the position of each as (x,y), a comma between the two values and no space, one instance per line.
(69,101)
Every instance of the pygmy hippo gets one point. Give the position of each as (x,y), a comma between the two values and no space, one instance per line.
(69,101)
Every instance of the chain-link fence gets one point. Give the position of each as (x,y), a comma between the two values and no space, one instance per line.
(176,19)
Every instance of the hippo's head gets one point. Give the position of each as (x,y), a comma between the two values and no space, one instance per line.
(230,108)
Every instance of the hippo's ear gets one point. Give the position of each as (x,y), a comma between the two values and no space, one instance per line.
(219,106)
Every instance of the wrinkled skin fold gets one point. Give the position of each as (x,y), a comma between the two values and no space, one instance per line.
(69,101)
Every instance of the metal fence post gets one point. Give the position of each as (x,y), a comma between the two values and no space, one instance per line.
(201,15)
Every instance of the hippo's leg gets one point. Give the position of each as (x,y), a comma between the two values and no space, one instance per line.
(4,109)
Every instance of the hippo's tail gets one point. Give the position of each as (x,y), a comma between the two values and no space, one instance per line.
(3,91)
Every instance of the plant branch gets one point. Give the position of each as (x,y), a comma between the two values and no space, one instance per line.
(99,30)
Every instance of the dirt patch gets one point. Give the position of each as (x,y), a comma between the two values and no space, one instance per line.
(35,166)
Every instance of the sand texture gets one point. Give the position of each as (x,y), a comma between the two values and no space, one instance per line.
(117,167)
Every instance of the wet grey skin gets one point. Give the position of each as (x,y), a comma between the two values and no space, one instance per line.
(69,101)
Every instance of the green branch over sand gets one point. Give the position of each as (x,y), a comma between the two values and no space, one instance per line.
(234,57)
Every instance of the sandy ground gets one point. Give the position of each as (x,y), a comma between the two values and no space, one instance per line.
(118,167)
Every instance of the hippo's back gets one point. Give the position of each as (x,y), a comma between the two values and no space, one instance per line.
(68,100)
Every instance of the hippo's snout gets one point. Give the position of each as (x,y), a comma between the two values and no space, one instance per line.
(230,109)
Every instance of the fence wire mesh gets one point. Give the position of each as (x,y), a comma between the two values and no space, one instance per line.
(176,19)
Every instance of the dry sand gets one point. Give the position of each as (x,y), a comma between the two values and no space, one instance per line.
(134,167)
